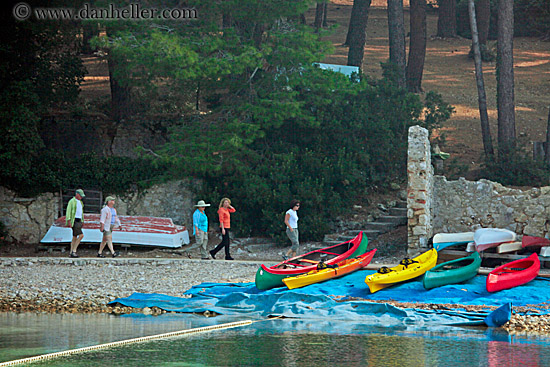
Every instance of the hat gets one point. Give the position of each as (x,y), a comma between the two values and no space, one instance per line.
(109,198)
(201,203)
(80,192)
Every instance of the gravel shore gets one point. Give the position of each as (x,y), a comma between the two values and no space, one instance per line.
(86,285)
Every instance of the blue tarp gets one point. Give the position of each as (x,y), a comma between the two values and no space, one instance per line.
(335,299)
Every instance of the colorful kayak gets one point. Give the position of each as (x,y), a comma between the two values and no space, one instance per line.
(406,270)
(452,272)
(485,238)
(514,273)
(271,277)
(527,241)
(325,272)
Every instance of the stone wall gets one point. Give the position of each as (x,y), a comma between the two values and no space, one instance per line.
(461,206)
(419,191)
(436,205)
(27,219)
(174,199)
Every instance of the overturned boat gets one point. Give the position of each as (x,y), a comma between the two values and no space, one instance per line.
(134,230)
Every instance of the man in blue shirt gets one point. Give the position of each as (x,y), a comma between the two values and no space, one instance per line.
(200,229)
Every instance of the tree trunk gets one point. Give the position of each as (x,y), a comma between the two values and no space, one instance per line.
(396,28)
(358,33)
(505,76)
(547,147)
(483,12)
(120,93)
(325,15)
(319,10)
(417,48)
(446,21)
(89,31)
(482,98)
(352,21)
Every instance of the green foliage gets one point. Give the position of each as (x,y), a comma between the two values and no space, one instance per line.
(40,70)
(309,134)
(517,167)
(51,170)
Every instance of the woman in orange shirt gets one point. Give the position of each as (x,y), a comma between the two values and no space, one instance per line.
(224,214)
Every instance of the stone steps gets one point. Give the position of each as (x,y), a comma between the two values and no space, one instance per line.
(397,216)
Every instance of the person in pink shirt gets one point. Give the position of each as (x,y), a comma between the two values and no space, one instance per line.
(108,220)
(224,214)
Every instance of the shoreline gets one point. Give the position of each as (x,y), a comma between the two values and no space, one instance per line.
(86,285)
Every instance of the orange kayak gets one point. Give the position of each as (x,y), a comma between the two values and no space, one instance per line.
(322,273)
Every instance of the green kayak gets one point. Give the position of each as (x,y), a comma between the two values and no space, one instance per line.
(452,272)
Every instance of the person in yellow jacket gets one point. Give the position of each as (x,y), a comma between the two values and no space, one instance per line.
(75,217)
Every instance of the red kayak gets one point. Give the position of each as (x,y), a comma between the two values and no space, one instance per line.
(514,273)
(527,241)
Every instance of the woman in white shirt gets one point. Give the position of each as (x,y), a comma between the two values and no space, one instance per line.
(291,222)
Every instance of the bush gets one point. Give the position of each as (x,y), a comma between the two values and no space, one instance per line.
(517,168)
(344,139)
(51,170)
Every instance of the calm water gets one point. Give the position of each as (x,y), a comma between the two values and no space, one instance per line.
(265,343)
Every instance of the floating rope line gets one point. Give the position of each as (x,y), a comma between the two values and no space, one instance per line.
(124,342)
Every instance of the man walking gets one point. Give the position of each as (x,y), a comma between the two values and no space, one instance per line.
(75,216)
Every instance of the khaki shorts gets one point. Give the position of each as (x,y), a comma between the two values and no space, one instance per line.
(77,228)
(107,233)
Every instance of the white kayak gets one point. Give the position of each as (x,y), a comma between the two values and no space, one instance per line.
(485,238)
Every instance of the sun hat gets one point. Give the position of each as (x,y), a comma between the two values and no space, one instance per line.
(80,192)
(201,203)
(109,198)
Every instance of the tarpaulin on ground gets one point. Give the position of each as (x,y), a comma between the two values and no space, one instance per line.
(328,299)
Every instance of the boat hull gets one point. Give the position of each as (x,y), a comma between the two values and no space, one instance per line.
(272,277)
(401,273)
(513,274)
(343,267)
(134,230)
(452,272)
(485,238)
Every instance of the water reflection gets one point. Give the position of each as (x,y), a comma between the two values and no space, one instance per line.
(266,343)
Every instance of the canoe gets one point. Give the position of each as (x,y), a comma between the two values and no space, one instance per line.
(271,277)
(514,273)
(134,230)
(485,238)
(323,273)
(460,237)
(406,270)
(452,272)
(527,241)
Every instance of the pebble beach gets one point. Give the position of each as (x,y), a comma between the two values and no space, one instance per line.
(87,285)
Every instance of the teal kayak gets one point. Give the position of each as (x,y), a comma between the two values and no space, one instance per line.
(452,272)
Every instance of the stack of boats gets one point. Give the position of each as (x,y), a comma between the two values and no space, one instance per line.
(509,275)
(344,258)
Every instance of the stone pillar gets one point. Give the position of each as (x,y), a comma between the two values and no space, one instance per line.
(419,191)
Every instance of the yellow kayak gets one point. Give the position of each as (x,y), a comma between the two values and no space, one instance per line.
(327,272)
(406,270)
